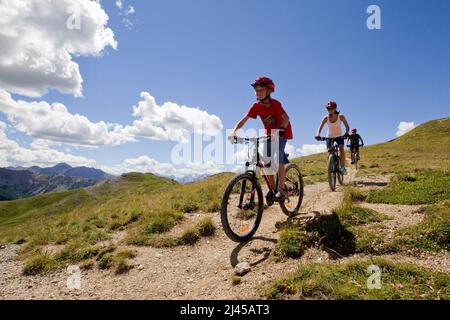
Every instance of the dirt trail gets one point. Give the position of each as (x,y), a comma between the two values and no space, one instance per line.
(202,271)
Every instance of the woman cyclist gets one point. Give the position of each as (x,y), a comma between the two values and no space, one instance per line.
(334,120)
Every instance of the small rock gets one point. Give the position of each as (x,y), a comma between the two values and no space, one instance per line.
(242,268)
(2,246)
(140,267)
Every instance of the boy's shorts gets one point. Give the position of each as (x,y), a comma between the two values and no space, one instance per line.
(279,156)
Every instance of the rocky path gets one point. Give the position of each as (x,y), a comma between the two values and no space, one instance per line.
(204,270)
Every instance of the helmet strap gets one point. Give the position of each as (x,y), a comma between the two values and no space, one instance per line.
(265,99)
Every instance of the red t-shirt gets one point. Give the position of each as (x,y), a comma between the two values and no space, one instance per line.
(271,116)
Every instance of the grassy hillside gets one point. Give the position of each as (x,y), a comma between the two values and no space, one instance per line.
(425,147)
(25,218)
(145,206)
(142,205)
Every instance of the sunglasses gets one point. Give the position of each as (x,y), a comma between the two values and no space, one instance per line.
(331,108)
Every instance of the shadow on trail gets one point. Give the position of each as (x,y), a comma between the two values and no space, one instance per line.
(324,230)
(264,251)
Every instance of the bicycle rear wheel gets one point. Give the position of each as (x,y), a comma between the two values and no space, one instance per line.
(242,207)
(332,172)
(294,185)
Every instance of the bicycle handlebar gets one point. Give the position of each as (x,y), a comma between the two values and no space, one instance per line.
(237,140)
(325,138)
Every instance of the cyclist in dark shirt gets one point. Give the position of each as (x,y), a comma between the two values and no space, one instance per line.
(354,142)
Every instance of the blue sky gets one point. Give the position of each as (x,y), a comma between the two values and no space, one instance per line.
(205,53)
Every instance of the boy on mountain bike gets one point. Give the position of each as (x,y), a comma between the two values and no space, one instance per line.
(334,120)
(354,142)
(274,118)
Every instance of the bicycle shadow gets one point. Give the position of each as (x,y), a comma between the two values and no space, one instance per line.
(327,231)
(264,251)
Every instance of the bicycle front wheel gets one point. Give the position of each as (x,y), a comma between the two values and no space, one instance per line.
(242,207)
(294,186)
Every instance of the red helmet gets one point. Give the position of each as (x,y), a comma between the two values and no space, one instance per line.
(264,81)
(354,130)
(331,104)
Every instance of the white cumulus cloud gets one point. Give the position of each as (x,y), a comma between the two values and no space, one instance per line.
(12,154)
(39,38)
(308,149)
(54,122)
(146,164)
(171,121)
(404,127)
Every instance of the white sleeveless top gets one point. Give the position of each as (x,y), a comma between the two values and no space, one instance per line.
(334,128)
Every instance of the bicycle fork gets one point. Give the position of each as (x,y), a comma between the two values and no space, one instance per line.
(250,198)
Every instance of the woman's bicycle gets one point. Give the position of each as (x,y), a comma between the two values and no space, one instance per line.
(334,163)
(243,202)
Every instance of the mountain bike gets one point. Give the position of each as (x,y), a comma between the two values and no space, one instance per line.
(334,163)
(355,156)
(243,202)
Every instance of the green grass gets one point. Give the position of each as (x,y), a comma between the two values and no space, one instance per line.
(106,257)
(349,281)
(431,234)
(163,223)
(354,215)
(142,204)
(368,241)
(292,243)
(204,227)
(341,233)
(426,187)
(39,264)
(189,236)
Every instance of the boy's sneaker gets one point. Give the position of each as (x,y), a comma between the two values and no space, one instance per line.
(343,170)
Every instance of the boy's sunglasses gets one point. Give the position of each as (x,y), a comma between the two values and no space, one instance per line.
(330,108)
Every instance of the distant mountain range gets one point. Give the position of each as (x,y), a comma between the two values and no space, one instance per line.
(188,178)
(20,182)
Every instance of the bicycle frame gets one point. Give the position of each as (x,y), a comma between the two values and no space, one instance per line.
(258,164)
(334,146)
